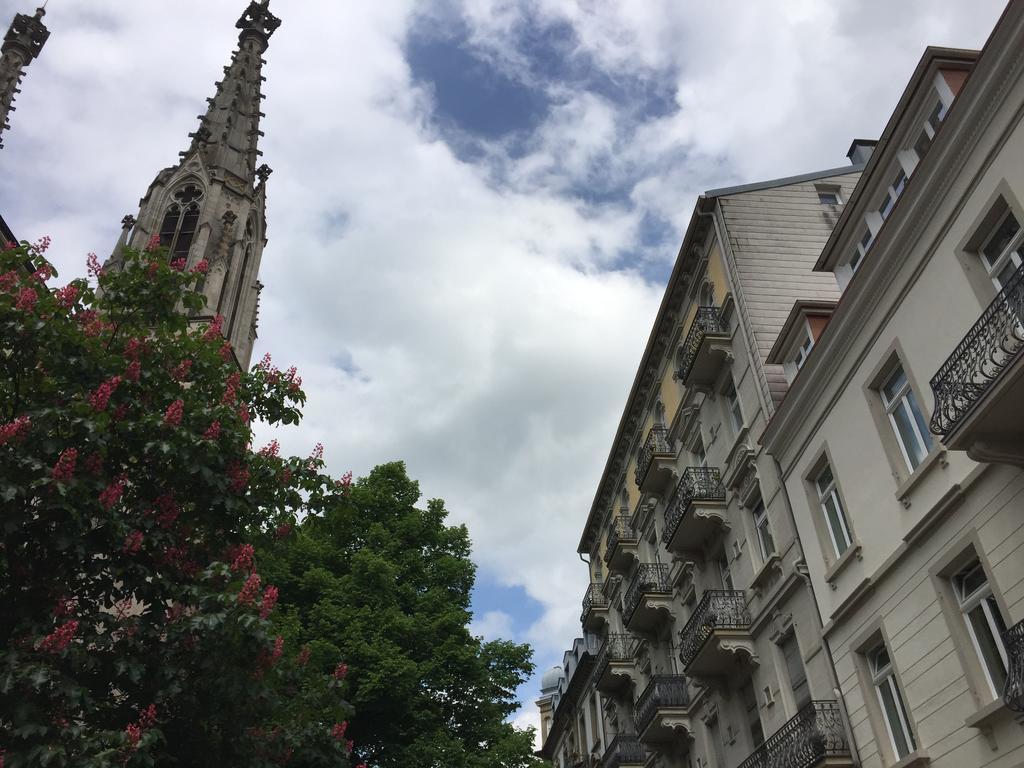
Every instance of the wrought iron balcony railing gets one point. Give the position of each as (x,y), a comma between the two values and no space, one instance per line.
(621,529)
(594,597)
(707,320)
(656,443)
(1013,693)
(624,749)
(696,484)
(718,609)
(618,646)
(815,733)
(990,346)
(649,577)
(662,692)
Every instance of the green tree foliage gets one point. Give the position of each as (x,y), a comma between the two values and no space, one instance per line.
(134,628)
(387,585)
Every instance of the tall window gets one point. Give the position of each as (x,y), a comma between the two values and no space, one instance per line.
(749,699)
(906,418)
(725,573)
(832,510)
(1001,252)
(894,713)
(796,672)
(984,622)
(804,349)
(732,401)
(181,220)
(893,193)
(861,250)
(699,453)
(764,533)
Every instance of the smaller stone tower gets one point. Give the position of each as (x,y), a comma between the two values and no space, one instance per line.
(212,205)
(22,44)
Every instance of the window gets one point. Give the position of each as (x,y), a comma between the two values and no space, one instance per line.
(733,404)
(984,622)
(828,195)
(749,699)
(906,418)
(795,670)
(805,348)
(893,194)
(930,126)
(764,534)
(861,250)
(832,509)
(1001,251)
(725,573)
(894,713)
(181,220)
(699,454)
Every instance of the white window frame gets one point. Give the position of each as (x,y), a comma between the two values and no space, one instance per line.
(884,676)
(862,248)
(981,596)
(759,513)
(725,573)
(893,193)
(732,397)
(823,191)
(1011,254)
(830,492)
(803,349)
(905,399)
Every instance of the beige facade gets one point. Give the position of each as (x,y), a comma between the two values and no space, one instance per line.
(901,438)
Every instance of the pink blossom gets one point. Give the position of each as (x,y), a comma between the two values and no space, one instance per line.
(60,638)
(270,449)
(92,264)
(178,265)
(268,602)
(346,482)
(134,348)
(278,648)
(174,412)
(181,372)
(65,607)
(8,280)
(27,299)
(212,432)
(239,477)
(153,244)
(243,558)
(147,717)
(94,464)
(99,399)
(348,747)
(132,543)
(340,671)
(42,245)
(243,413)
(265,363)
(303,658)
(133,371)
(283,531)
(213,331)
(225,351)
(167,510)
(16,430)
(9,246)
(113,492)
(250,589)
(67,296)
(64,469)
(338,731)
(43,273)
(201,267)
(231,388)
(318,452)
(134,734)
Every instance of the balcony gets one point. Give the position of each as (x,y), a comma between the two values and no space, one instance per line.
(1013,693)
(717,636)
(620,549)
(706,348)
(616,666)
(595,607)
(649,598)
(662,711)
(655,465)
(979,389)
(696,511)
(814,738)
(622,751)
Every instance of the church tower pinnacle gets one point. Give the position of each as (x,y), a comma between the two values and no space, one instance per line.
(22,44)
(212,205)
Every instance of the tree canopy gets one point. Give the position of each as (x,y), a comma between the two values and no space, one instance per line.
(387,585)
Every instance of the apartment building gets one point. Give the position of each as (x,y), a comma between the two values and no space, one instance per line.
(701,644)
(901,437)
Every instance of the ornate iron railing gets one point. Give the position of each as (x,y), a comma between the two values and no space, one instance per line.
(618,646)
(696,484)
(990,346)
(707,320)
(621,529)
(624,749)
(649,577)
(662,692)
(815,733)
(718,609)
(1013,692)
(594,597)
(656,444)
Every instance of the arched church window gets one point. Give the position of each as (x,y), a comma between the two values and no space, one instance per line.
(181,220)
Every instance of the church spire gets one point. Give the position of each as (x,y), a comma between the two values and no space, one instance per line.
(211,206)
(22,44)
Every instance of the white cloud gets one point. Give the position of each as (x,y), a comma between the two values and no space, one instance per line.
(492,625)
(469,327)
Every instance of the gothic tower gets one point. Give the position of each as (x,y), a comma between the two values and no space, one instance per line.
(22,44)
(212,204)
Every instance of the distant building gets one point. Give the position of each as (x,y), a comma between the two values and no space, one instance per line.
(787,567)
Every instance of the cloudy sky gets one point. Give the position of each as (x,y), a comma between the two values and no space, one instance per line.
(475,206)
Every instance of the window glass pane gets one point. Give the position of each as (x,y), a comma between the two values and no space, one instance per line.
(908,435)
(989,647)
(922,144)
(892,705)
(893,385)
(828,198)
(922,428)
(1000,239)
(824,480)
(938,112)
(836,524)
(1006,273)
(970,580)
(899,182)
(796,672)
(879,659)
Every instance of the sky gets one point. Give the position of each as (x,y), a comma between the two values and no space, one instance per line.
(475,208)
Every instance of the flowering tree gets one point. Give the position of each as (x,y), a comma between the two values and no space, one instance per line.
(135,629)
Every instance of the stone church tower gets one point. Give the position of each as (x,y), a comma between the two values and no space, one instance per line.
(212,204)
(22,44)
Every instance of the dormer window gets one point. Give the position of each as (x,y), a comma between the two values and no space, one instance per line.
(892,194)
(828,195)
(862,248)
(804,350)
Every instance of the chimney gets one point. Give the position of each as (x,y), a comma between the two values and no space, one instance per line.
(860,150)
